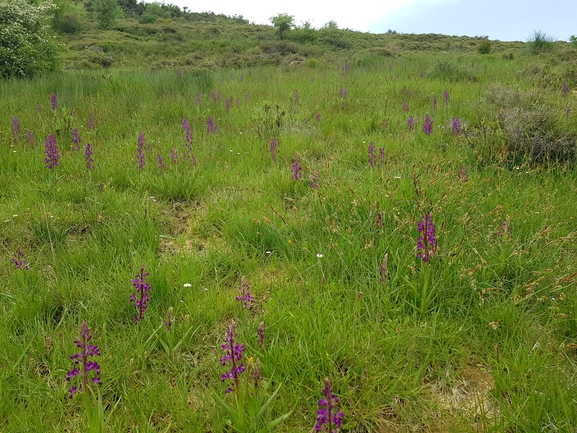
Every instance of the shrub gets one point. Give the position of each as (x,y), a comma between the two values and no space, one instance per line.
(26,44)
(540,42)
(107,12)
(305,34)
(538,135)
(484,47)
(68,17)
(523,130)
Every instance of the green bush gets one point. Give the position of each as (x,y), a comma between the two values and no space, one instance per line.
(68,17)
(283,23)
(107,12)
(522,130)
(484,47)
(540,42)
(26,44)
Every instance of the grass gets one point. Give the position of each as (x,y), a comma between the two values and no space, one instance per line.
(481,338)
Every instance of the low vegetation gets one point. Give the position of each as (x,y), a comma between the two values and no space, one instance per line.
(206,232)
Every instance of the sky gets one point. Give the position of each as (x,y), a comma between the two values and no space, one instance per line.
(505,20)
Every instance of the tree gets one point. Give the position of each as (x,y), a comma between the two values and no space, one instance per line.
(283,22)
(27,46)
(332,25)
(107,12)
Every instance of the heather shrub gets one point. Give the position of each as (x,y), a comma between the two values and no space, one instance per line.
(522,130)
(505,96)
(537,134)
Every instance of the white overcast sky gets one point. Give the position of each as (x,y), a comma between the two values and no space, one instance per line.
(506,20)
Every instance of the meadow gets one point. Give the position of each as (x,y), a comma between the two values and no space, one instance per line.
(402,225)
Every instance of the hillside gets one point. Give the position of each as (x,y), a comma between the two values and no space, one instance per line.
(220,44)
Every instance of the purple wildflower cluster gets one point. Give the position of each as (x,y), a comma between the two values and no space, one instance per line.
(140,297)
(233,355)
(434,102)
(88,157)
(91,121)
(169,319)
(296,169)
(427,241)
(245,295)
(456,126)
(140,152)
(446,97)
(19,261)
(160,163)
(52,155)
(381,155)
(82,358)
(260,334)
(318,117)
(53,102)
(372,155)
(76,140)
(15,127)
(344,93)
(329,418)
(565,90)
(428,125)
(246,98)
(211,127)
(410,123)
(188,130)
(506,230)
(315,178)
(227,104)
(273,146)
(297,97)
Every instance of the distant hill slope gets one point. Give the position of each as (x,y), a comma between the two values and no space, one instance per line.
(179,43)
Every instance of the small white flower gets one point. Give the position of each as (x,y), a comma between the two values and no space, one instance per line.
(397,177)
(187,285)
(319,255)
